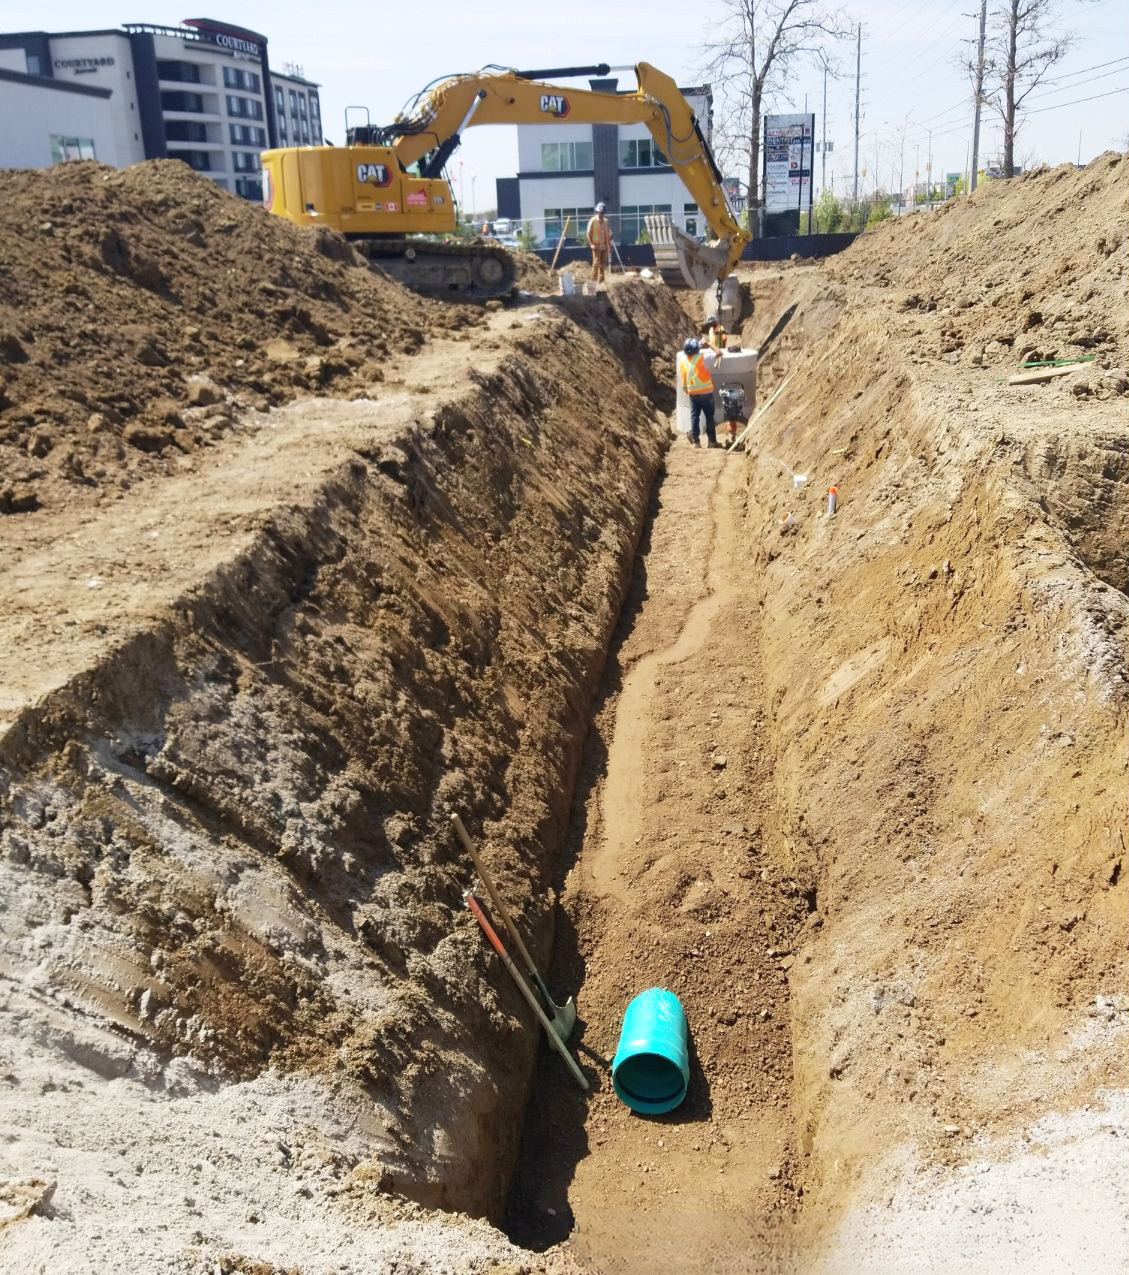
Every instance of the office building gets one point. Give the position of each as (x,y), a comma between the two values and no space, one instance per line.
(564,170)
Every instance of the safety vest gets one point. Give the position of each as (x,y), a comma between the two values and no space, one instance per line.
(696,375)
(600,234)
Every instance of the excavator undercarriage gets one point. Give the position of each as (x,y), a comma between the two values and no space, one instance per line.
(474,271)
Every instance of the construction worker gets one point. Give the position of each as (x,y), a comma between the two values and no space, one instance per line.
(600,241)
(695,375)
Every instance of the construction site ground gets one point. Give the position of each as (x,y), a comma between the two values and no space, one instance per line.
(294,565)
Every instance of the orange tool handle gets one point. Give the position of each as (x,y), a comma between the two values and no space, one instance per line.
(487,928)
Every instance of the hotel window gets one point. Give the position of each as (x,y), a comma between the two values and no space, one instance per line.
(690,213)
(185,131)
(182,102)
(641,152)
(245,161)
(234,78)
(201,161)
(68,148)
(185,72)
(247,135)
(245,106)
(566,157)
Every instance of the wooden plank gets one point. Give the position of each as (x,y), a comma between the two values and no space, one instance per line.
(1043,374)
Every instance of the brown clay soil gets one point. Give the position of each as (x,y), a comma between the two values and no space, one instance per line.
(829,761)
(854,789)
(142,313)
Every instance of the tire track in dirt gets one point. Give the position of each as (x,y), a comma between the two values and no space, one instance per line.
(620,806)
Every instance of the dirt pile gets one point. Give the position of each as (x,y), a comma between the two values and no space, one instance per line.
(230,760)
(142,309)
(1033,268)
(945,660)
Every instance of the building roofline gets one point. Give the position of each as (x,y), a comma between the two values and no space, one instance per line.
(49,82)
(59,35)
(276,74)
(227,28)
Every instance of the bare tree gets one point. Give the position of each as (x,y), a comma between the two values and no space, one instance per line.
(758,42)
(1019,53)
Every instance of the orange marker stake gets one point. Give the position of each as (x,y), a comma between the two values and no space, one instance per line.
(832,500)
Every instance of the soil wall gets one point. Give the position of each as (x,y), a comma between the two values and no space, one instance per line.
(225,851)
(945,659)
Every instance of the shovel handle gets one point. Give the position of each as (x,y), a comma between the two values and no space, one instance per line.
(487,928)
(495,897)
(523,987)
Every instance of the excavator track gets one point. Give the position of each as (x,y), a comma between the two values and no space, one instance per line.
(474,271)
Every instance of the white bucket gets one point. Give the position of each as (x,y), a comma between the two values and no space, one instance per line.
(568,283)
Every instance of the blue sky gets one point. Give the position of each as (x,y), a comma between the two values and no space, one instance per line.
(380,54)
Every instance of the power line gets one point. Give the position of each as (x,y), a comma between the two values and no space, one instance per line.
(1067,75)
(1067,88)
(1079,101)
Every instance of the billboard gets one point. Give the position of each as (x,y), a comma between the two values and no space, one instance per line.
(788,149)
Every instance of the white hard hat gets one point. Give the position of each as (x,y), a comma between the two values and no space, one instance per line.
(600,207)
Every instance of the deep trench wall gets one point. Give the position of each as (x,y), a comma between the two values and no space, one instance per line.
(948,706)
(230,841)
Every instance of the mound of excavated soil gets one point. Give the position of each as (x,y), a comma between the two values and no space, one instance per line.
(142,308)
(237,709)
(1033,268)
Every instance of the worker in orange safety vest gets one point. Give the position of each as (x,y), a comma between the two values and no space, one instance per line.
(695,375)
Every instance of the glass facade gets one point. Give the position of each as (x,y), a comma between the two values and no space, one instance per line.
(566,157)
(236,78)
(631,227)
(641,152)
(67,148)
(248,107)
(578,219)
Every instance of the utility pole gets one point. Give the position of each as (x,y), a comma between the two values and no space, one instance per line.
(858,80)
(979,96)
(929,169)
(823,144)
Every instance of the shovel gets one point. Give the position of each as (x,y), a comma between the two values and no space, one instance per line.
(563,1016)
(496,943)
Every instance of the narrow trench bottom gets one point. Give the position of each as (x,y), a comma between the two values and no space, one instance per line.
(668,880)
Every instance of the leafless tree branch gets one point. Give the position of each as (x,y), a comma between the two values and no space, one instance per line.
(760,43)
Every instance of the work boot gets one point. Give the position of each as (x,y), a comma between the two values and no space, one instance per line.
(694,440)
(713,443)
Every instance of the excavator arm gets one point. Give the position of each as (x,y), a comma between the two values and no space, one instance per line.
(429,135)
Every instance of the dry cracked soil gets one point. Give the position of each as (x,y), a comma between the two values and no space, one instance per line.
(295,565)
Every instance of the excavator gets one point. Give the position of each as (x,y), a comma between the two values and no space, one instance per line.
(385,186)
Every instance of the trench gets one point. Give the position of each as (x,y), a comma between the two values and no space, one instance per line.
(671,877)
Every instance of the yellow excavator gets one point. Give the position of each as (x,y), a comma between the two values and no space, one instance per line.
(386,184)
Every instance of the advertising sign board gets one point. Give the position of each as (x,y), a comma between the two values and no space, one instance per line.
(788,149)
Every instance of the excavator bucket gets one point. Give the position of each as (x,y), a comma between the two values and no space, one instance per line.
(682,261)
